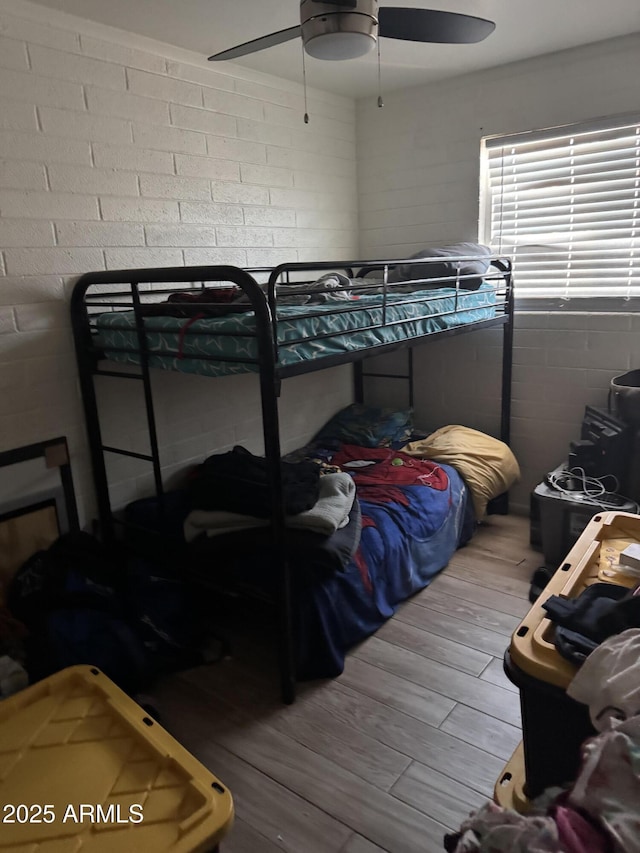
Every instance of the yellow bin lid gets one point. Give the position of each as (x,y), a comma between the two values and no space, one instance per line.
(508,791)
(84,768)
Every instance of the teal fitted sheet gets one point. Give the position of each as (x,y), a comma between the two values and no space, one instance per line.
(174,347)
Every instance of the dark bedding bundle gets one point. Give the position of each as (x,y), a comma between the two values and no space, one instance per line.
(470,261)
(208,301)
(231,299)
(247,557)
(247,553)
(237,481)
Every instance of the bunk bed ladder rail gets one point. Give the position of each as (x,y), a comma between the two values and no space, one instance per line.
(360,374)
(507,352)
(87,361)
(154,458)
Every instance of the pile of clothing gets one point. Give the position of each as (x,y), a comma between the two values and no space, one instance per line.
(583,623)
(230,299)
(230,494)
(600,811)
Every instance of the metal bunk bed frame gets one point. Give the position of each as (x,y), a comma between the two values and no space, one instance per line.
(271,373)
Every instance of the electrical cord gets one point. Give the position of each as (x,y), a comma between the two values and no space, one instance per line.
(592,488)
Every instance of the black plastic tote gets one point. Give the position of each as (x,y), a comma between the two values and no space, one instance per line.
(624,397)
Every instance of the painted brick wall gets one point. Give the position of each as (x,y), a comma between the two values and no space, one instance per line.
(115,156)
(418,168)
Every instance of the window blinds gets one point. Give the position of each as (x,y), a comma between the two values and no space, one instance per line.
(565,205)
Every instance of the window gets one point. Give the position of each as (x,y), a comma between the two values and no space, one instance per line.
(565,205)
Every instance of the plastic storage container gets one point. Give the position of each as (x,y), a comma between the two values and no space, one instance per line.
(558,519)
(554,725)
(83,767)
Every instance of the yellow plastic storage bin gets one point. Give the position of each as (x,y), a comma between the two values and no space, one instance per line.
(509,788)
(84,768)
(553,725)
(592,559)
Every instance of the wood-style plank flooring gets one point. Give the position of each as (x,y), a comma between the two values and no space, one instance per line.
(396,751)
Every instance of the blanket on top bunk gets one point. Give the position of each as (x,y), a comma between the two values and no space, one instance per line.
(209,345)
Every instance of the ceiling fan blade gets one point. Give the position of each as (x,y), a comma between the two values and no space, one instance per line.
(259,44)
(432,26)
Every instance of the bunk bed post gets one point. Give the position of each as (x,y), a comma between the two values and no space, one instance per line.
(507,362)
(410,375)
(271,431)
(358,382)
(501,503)
(270,387)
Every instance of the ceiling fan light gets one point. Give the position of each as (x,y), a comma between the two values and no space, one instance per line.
(340,45)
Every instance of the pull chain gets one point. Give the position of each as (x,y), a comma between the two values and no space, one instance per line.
(380,101)
(304,84)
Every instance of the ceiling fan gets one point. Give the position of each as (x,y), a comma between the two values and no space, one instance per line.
(346,29)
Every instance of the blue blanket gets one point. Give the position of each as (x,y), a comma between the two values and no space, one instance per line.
(403,545)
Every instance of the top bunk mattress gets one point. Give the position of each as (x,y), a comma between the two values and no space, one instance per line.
(216,346)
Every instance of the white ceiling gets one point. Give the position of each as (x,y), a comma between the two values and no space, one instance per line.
(524,28)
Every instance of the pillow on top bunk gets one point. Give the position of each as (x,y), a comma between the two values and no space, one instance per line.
(448,266)
(367,426)
(486,464)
